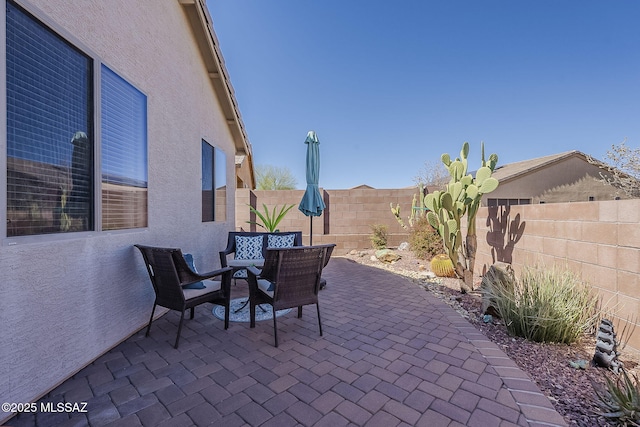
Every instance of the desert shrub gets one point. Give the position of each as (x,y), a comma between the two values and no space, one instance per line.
(547,305)
(378,236)
(424,240)
(620,399)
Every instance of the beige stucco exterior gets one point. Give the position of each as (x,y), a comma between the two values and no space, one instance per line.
(566,177)
(66,299)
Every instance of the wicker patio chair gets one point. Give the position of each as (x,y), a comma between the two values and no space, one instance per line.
(177,287)
(290,278)
(327,257)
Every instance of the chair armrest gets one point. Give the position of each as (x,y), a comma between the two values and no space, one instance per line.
(223,258)
(231,248)
(254,270)
(214,273)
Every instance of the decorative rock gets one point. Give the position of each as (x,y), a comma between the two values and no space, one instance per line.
(428,274)
(404,246)
(579,364)
(387,255)
(606,353)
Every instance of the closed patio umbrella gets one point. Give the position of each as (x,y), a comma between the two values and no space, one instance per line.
(312,204)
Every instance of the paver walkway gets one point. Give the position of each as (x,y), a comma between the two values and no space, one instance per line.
(391,355)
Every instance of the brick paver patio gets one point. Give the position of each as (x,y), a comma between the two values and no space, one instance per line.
(391,355)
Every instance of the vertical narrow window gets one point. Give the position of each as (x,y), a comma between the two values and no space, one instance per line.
(208,167)
(214,183)
(124,153)
(220,182)
(49,130)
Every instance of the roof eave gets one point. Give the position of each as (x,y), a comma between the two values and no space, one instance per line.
(553,159)
(201,24)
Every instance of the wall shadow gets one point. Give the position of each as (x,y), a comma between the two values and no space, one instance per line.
(504,233)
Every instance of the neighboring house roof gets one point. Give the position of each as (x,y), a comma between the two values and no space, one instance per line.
(510,171)
(562,177)
(202,27)
(362,187)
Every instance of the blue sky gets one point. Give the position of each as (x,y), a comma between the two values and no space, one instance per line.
(388,86)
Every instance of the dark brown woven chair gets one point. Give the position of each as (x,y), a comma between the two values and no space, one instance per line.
(170,273)
(290,278)
(327,257)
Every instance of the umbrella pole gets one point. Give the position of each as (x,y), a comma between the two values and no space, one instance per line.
(310,230)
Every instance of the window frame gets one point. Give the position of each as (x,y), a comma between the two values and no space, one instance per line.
(97,63)
(205,178)
(100,146)
(216,152)
(494,202)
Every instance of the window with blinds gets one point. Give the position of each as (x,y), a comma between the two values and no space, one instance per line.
(51,141)
(124,153)
(49,130)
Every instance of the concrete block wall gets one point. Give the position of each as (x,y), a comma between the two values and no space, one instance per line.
(598,240)
(346,221)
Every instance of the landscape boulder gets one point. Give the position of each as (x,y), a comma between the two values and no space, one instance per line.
(404,246)
(387,255)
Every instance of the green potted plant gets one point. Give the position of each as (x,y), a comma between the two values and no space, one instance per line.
(270,220)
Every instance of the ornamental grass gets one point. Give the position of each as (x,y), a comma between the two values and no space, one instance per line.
(547,305)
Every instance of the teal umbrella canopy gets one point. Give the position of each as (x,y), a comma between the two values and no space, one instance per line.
(312,203)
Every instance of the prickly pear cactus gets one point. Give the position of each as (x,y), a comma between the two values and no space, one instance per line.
(461,197)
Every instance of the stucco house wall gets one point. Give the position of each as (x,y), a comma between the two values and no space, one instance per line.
(66,299)
(566,177)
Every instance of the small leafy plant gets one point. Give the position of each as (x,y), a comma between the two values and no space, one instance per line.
(270,220)
(546,305)
(620,400)
(379,236)
(424,240)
